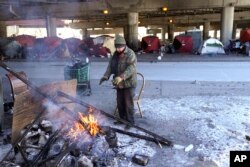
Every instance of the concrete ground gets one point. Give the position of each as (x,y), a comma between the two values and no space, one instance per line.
(176,88)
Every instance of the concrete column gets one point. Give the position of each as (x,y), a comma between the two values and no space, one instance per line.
(133,31)
(3,29)
(171,32)
(227,19)
(126,33)
(206,29)
(234,30)
(85,33)
(163,34)
(51,26)
(215,33)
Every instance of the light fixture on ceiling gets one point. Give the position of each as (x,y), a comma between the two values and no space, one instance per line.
(105,11)
(139,22)
(164,9)
(170,21)
(107,23)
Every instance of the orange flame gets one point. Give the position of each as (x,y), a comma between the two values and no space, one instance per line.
(89,122)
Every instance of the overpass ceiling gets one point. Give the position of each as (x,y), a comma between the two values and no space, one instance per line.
(91,10)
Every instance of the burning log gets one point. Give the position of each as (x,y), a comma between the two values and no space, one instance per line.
(157,138)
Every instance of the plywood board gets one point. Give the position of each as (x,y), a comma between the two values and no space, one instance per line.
(28,104)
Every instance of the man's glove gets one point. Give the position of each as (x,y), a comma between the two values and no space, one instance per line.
(103,79)
(117,80)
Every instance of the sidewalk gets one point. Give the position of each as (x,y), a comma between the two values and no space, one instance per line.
(184,57)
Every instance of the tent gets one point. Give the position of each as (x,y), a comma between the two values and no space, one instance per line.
(183,43)
(73,44)
(106,41)
(211,46)
(25,40)
(9,48)
(196,35)
(99,51)
(245,35)
(150,44)
(48,47)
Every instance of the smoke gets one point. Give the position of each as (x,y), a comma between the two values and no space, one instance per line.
(59,118)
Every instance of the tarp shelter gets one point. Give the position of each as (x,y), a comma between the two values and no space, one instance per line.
(47,46)
(99,51)
(73,44)
(183,43)
(106,41)
(25,40)
(150,44)
(9,48)
(52,42)
(197,38)
(211,46)
(245,35)
(88,42)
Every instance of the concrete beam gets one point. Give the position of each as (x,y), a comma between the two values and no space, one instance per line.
(94,8)
(106,31)
(162,21)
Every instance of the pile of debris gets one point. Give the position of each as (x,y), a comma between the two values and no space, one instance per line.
(43,145)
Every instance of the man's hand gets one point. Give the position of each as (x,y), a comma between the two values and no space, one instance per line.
(103,79)
(117,80)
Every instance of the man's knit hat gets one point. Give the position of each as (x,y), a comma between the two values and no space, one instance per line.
(119,41)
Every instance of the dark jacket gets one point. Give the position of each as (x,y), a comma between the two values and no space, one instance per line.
(125,67)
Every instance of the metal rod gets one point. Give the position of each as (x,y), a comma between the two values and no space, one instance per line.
(46,146)
(157,137)
(23,154)
(137,135)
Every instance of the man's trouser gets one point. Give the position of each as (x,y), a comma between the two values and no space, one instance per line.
(125,104)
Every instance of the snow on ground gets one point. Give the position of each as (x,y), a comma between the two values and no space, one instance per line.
(218,123)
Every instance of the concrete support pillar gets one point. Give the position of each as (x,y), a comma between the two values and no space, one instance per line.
(215,33)
(51,26)
(206,29)
(133,31)
(126,33)
(3,29)
(234,30)
(85,33)
(227,19)
(171,32)
(163,34)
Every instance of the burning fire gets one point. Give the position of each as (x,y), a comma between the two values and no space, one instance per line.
(86,123)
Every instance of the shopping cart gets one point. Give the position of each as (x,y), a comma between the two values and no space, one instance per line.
(79,71)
